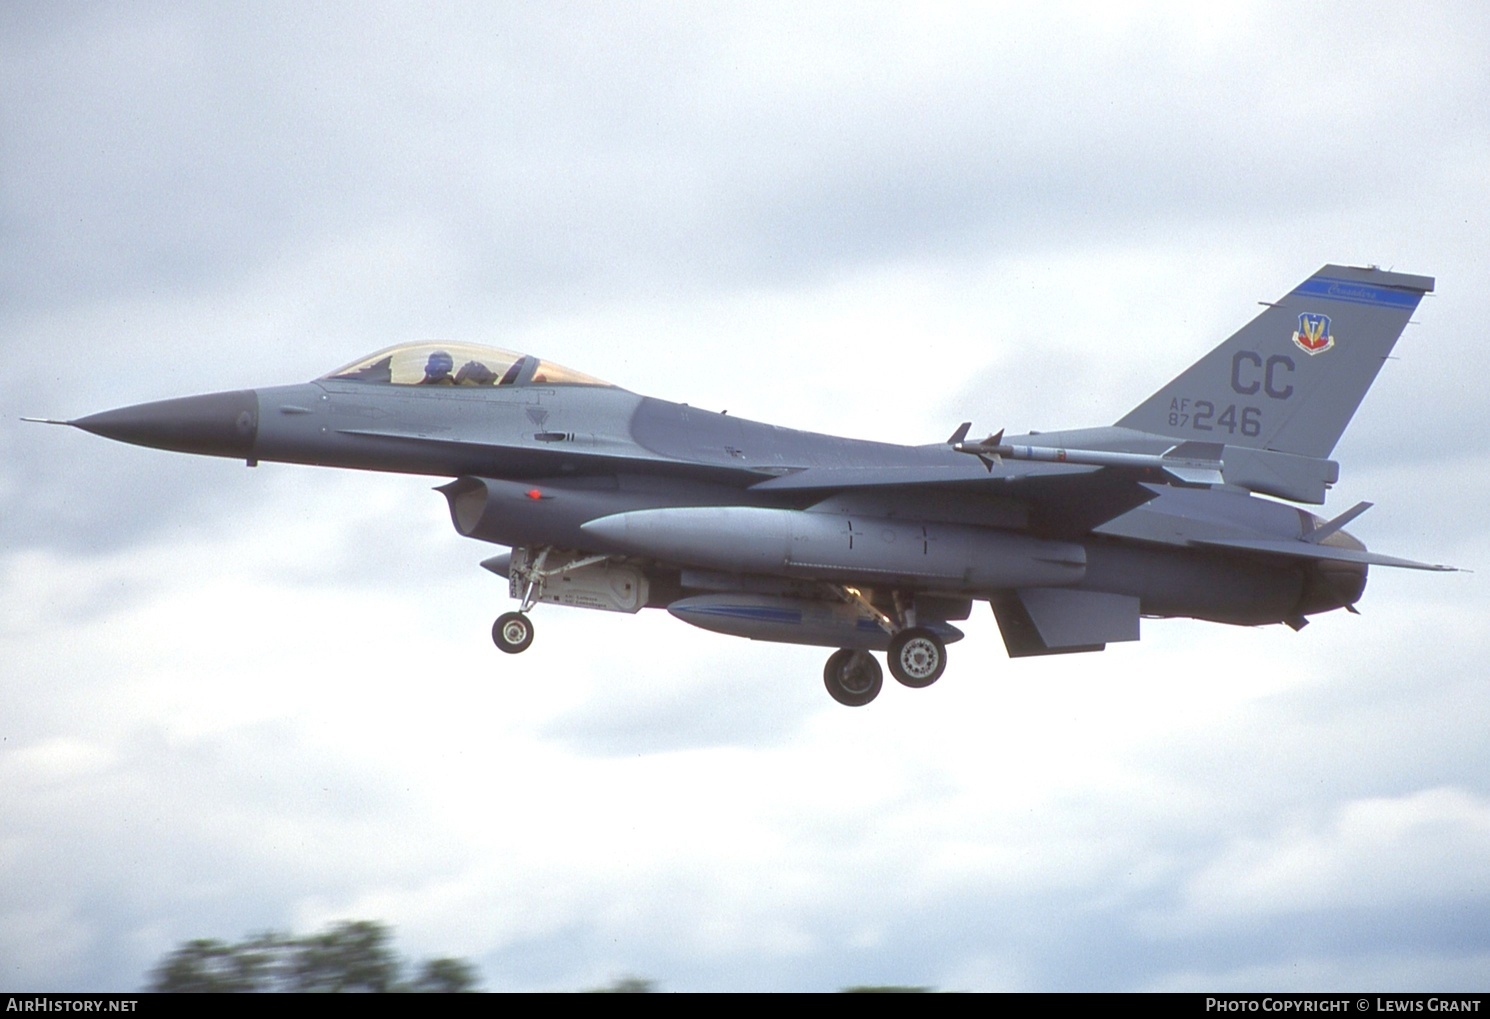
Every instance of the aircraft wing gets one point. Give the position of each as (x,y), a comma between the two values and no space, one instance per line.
(968,475)
(1065,500)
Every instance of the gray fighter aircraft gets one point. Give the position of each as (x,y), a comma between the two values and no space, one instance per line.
(610,500)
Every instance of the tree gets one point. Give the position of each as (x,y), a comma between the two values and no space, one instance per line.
(209,966)
(348,956)
(445,976)
(626,985)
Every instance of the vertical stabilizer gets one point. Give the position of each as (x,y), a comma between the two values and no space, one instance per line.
(1291,379)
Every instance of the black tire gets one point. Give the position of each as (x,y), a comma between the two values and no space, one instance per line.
(917,657)
(853,678)
(512,632)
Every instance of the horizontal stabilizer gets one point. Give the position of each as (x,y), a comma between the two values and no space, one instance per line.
(1302,548)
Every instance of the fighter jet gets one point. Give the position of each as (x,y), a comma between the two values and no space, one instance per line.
(614,501)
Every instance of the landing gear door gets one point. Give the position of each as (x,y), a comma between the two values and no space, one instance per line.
(609,586)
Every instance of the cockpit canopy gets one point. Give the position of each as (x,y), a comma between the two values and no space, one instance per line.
(458,364)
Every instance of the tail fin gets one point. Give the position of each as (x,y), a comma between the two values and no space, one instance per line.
(1291,379)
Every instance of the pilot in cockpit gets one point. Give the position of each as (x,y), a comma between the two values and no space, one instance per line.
(437,370)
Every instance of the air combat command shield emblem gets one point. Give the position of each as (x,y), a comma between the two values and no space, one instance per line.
(1314,335)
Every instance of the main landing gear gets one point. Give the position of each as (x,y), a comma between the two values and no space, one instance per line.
(917,659)
(853,678)
(917,656)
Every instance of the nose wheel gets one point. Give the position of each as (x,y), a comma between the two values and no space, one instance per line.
(512,632)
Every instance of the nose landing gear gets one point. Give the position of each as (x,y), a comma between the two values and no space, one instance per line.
(513,631)
(568,578)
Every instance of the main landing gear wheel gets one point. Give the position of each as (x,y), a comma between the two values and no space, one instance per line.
(512,632)
(853,677)
(917,657)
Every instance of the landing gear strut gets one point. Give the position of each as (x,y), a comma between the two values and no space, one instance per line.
(853,678)
(513,631)
(530,572)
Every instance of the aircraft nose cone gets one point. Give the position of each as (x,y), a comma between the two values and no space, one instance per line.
(218,424)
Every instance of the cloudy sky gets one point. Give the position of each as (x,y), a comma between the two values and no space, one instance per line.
(238,699)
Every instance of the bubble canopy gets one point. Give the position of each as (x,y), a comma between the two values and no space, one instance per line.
(457,364)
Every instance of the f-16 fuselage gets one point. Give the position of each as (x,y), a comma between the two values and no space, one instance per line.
(617,501)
